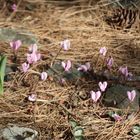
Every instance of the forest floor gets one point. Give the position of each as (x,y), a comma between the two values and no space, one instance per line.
(58,104)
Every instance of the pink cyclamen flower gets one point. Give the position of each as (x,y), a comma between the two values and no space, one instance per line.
(131,95)
(95,95)
(33,48)
(103,51)
(32,97)
(44,76)
(103,86)
(14,7)
(65,44)
(110,62)
(85,67)
(33,57)
(117,117)
(15,44)
(25,67)
(124,71)
(66,65)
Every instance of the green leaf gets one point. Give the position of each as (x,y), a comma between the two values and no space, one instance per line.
(78,132)
(136,129)
(3,60)
(73,123)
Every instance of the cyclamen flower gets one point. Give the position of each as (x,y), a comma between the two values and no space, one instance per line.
(25,67)
(85,67)
(32,97)
(124,71)
(103,86)
(33,57)
(65,44)
(103,51)
(110,62)
(131,95)
(15,44)
(117,117)
(44,76)
(33,48)
(66,65)
(14,7)
(95,95)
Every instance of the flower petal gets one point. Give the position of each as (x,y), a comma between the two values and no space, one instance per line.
(117,117)
(131,95)
(32,97)
(103,86)
(98,94)
(82,68)
(25,67)
(103,51)
(15,44)
(14,7)
(124,71)
(68,65)
(95,95)
(65,44)
(110,62)
(44,76)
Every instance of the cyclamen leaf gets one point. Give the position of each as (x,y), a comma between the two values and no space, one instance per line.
(73,123)
(3,60)
(136,129)
(77,130)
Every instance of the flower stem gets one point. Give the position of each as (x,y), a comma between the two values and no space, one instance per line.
(56,56)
